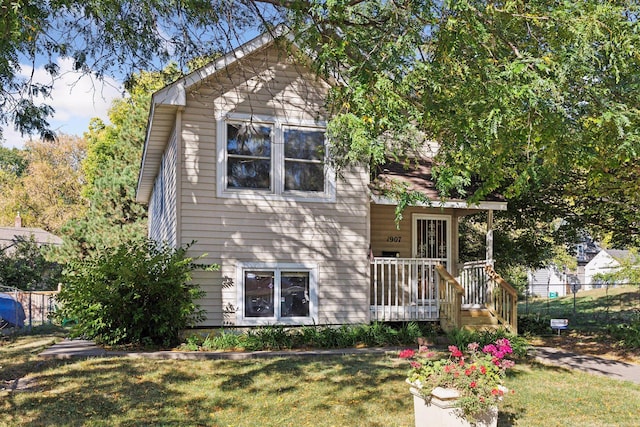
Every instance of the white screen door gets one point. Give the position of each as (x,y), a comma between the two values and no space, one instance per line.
(432,238)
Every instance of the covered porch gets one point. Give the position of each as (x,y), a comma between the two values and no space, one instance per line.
(418,289)
(416,276)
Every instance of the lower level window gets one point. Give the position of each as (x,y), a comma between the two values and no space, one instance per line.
(277,294)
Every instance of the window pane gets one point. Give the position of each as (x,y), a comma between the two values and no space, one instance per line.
(304,144)
(248,139)
(258,293)
(294,294)
(248,173)
(303,176)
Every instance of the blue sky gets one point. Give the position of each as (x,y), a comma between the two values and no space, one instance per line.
(76,99)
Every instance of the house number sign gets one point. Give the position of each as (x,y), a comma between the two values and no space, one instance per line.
(394,239)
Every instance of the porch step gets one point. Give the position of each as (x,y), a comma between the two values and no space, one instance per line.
(479,319)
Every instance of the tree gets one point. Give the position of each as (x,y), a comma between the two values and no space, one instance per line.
(103,37)
(536,99)
(46,191)
(111,166)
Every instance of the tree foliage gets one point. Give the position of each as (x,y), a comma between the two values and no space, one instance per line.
(135,293)
(111,171)
(43,183)
(537,100)
(103,37)
(25,265)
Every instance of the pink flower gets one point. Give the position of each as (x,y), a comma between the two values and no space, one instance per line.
(473,346)
(483,370)
(415,365)
(489,349)
(406,354)
(473,384)
(455,352)
(506,364)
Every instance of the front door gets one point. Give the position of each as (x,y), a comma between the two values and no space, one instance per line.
(431,242)
(432,238)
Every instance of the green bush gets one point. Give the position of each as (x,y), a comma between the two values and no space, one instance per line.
(24,265)
(627,334)
(534,324)
(137,293)
(278,337)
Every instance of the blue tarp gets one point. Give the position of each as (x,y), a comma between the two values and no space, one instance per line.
(11,311)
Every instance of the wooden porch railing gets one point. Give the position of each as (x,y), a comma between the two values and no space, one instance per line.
(475,281)
(450,300)
(422,289)
(503,300)
(403,289)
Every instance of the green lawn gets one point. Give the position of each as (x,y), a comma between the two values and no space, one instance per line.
(337,391)
(592,310)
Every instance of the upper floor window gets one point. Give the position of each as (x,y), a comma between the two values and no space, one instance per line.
(273,160)
(248,156)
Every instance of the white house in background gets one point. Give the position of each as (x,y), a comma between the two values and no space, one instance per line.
(606,261)
(235,158)
(548,282)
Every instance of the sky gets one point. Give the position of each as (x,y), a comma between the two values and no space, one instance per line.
(76,99)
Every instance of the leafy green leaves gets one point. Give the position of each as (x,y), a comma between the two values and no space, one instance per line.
(139,292)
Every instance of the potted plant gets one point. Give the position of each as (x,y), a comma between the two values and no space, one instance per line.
(462,389)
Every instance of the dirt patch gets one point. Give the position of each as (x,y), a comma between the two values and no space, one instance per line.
(589,344)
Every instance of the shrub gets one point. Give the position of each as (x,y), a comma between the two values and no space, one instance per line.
(534,324)
(24,265)
(136,293)
(627,334)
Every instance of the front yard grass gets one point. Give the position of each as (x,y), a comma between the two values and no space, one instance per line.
(329,391)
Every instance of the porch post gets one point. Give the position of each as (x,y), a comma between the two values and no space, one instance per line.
(489,237)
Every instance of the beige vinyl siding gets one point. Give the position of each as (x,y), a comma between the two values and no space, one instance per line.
(385,233)
(330,235)
(162,205)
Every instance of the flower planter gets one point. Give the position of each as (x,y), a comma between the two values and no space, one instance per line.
(440,410)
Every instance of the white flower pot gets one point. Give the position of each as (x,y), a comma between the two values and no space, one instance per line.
(440,410)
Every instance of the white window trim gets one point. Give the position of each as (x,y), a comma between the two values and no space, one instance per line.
(277,163)
(278,268)
(414,241)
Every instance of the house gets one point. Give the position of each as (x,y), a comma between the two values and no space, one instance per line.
(9,236)
(235,159)
(550,282)
(606,261)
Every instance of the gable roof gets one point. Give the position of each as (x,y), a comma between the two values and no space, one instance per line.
(168,100)
(416,175)
(41,237)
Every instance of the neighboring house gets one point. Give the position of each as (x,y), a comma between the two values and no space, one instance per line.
(548,282)
(9,235)
(235,159)
(606,261)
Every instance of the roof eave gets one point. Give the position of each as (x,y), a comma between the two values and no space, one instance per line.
(174,95)
(447,203)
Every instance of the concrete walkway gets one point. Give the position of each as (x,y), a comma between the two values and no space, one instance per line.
(68,349)
(594,365)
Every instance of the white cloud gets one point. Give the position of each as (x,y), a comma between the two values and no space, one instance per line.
(76,98)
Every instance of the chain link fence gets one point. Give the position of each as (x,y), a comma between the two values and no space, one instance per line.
(586,306)
(33,307)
